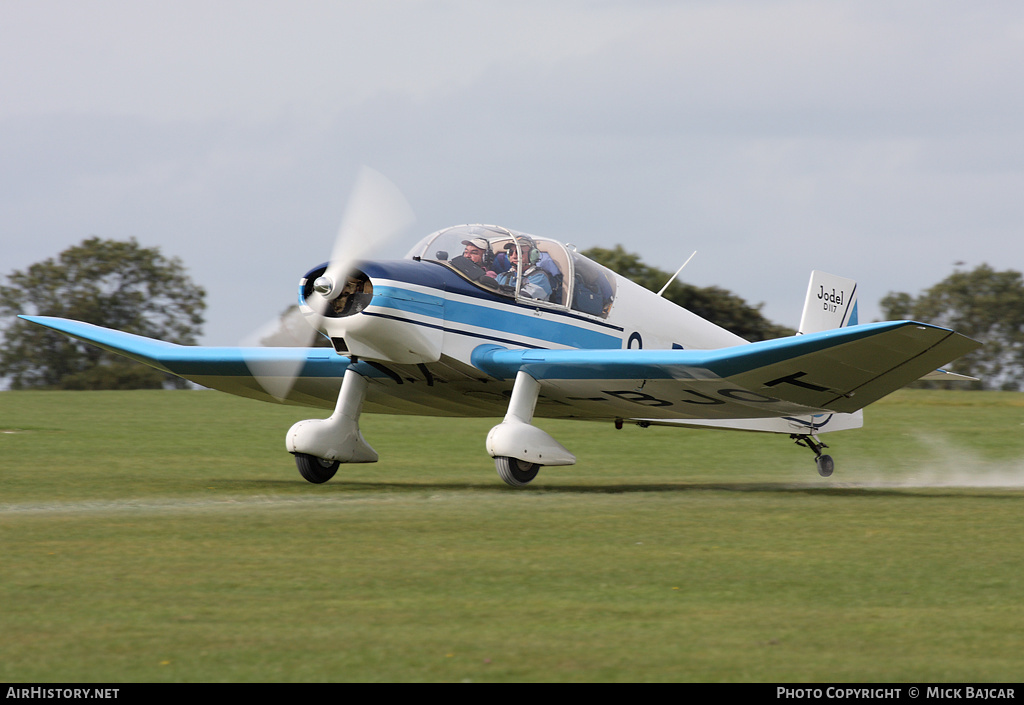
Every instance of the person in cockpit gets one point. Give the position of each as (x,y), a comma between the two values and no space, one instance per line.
(474,260)
(477,251)
(536,282)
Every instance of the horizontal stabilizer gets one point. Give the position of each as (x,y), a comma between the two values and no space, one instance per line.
(947,376)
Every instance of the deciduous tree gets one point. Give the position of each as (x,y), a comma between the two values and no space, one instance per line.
(111,283)
(983,304)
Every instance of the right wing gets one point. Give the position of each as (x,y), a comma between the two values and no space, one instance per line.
(252,372)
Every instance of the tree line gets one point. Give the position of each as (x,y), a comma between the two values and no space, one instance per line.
(128,287)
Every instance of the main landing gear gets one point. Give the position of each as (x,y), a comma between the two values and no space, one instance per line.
(515,472)
(320,445)
(824,462)
(518,447)
(314,469)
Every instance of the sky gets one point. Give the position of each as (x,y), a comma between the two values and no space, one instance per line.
(881,141)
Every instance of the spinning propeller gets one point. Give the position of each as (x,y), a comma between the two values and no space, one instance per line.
(376,213)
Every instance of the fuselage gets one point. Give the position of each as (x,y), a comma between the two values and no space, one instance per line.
(415,323)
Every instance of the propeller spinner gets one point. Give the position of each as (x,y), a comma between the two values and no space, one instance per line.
(376,213)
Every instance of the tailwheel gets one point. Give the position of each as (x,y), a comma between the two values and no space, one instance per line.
(314,469)
(515,472)
(826,466)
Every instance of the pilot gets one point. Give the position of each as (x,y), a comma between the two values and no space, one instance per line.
(476,251)
(473,260)
(536,283)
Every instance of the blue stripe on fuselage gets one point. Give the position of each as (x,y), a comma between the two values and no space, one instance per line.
(499,320)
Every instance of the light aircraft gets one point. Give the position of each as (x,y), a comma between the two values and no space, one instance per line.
(480,320)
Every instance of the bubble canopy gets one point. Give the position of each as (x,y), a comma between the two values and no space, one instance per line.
(530,269)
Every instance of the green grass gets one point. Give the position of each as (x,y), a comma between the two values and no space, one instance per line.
(166,536)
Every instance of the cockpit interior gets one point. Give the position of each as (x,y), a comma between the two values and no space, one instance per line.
(531,269)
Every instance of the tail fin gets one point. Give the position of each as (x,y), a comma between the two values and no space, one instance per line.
(831,303)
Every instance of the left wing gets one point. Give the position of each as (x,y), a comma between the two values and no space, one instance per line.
(841,370)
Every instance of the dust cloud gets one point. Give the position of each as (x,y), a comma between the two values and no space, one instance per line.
(933,461)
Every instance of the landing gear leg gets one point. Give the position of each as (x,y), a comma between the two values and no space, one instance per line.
(518,447)
(824,462)
(319,445)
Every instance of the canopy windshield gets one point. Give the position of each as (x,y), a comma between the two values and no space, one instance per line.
(530,269)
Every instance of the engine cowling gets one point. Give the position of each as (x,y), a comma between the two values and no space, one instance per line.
(383,317)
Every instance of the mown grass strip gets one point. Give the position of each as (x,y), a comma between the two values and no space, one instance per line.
(166,536)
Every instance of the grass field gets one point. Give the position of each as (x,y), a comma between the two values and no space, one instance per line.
(166,536)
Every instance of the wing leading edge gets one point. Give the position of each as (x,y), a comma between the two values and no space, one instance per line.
(248,372)
(840,370)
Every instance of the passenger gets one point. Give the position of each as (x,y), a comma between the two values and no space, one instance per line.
(545,262)
(536,283)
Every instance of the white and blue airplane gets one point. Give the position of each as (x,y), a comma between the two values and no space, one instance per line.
(479,320)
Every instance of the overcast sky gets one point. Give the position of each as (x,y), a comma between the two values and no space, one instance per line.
(878,140)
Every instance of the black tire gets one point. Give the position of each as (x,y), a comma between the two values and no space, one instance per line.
(825,465)
(516,473)
(314,469)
